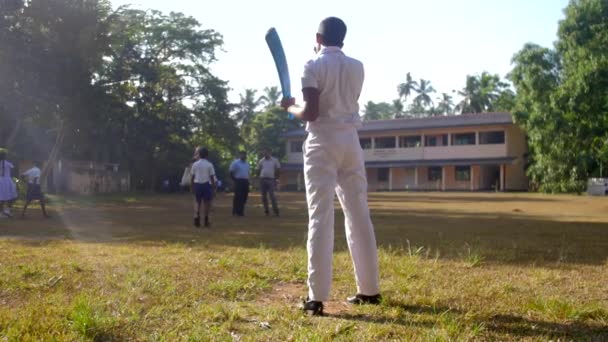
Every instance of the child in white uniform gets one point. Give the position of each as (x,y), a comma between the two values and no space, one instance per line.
(34,191)
(333,164)
(8,189)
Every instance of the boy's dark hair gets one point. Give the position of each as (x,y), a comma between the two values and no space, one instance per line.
(333,31)
(203,152)
(37,163)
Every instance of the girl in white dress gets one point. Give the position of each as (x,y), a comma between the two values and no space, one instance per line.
(8,190)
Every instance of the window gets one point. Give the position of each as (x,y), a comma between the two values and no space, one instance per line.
(435,173)
(411,141)
(463,173)
(463,139)
(436,140)
(366,143)
(387,142)
(497,137)
(296,146)
(383,175)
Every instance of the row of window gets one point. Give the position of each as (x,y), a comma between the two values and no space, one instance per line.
(413,141)
(458,139)
(434,174)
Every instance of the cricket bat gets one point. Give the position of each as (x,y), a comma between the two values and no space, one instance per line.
(278,54)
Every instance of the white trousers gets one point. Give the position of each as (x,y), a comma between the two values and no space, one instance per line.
(333,163)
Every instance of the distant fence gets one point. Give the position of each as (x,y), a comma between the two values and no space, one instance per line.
(597,186)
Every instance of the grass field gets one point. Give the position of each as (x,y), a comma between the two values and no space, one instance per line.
(454,266)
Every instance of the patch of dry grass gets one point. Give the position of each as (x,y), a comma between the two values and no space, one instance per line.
(453,267)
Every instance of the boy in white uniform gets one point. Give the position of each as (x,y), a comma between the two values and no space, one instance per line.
(203,185)
(34,192)
(333,162)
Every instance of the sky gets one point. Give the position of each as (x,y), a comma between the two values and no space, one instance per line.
(439,40)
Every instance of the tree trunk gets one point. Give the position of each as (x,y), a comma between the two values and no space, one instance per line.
(11,137)
(54,153)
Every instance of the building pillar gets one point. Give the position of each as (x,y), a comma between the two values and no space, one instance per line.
(477,142)
(443,178)
(472,174)
(299,181)
(390,179)
(502,177)
(416,177)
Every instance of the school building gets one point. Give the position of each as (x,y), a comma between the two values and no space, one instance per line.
(471,152)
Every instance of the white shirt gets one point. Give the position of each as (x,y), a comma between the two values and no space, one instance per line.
(33,175)
(202,171)
(339,79)
(268,167)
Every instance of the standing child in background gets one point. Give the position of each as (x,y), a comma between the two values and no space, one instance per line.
(8,189)
(34,192)
(203,184)
(333,164)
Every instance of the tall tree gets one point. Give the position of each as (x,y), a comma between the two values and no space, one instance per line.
(398,109)
(424,90)
(50,50)
(247,107)
(445,105)
(561,99)
(271,97)
(407,88)
(158,64)
(485,93)
(267,129)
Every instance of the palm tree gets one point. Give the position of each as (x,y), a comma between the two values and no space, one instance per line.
(480,93)
(271,97)
(405,89)
(445,104)
(423,99)
(398,109)
(247,107)
(471,102)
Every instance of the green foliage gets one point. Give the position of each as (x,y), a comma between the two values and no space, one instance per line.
(128,86)
(266,130)
(485,93)
(562,100)
(380,111)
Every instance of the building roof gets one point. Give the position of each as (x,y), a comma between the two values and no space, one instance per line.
(425,162)
(464,120)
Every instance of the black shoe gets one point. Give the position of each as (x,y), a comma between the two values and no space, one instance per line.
(206,222)
(360,299)
(267,213)
(276,214)
(197,222)
(312,308)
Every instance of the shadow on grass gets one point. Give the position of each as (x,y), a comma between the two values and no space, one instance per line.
(454,197)
(435,231)
(511,325)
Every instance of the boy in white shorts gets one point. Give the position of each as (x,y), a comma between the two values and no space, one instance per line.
(333,164)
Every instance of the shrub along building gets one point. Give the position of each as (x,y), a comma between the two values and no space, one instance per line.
(471,152)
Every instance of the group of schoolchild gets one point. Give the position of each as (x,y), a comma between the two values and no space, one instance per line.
(201,178)
(8,188)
